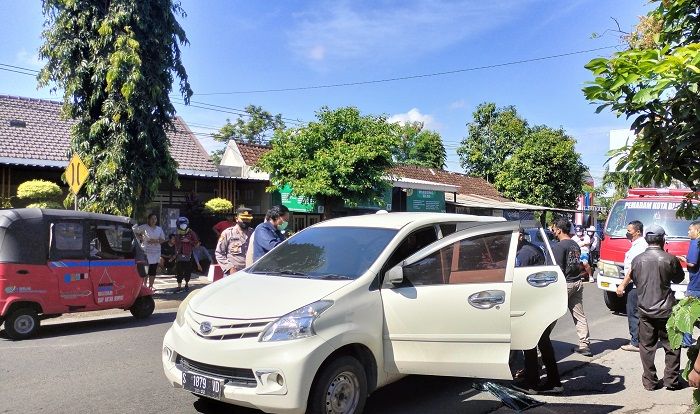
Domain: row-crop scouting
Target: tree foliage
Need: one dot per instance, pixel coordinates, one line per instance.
(418, 146)
(493, 136)
(218, 206)
(545, 170)
(341, 157)
(255, 127)
(116, 62)
(655, 82)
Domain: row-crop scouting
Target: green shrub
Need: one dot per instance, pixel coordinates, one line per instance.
(218, 206)
(39, 190)
(46, 204)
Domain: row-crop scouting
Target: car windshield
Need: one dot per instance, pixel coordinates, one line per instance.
(662, 213)
(331, 253)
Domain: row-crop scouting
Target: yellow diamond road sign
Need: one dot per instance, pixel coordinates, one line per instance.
(76, 174)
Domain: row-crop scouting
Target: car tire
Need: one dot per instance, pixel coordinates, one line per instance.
(614, 302)
(22, 324)
(143, 307)
(340, 387)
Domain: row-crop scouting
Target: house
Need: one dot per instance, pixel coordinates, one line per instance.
(34, 144)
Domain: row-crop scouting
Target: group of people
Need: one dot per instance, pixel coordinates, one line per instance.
(649, 272)
(182, 252)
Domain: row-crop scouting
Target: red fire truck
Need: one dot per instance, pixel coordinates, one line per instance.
(650, 206)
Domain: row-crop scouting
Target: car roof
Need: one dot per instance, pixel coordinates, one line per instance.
(399, 220)
(8, 216)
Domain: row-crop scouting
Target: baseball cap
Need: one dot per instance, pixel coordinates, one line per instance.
(656, 230)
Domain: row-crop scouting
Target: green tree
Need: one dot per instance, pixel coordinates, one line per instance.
(256, 126)
(116, 62)
(420, 147)
(40, 194)
(493, 136)
(655, 83)
(341, 157)
(545, 170)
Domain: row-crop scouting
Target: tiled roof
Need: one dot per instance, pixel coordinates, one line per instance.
(251, 153)
(466, 184)
(33, 133)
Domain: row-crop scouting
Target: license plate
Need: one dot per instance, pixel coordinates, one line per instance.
(604, 284)
(199, 384)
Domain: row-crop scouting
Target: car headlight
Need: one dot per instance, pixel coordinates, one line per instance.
(610, 270)
(180, 317)
(297, 324)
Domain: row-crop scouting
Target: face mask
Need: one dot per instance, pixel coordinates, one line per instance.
(242, 225)
(628, 235)
(183, 226)
(282, 226)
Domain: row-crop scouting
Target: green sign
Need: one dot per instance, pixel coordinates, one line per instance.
(425, 200)
(385, 205)
(297, 204)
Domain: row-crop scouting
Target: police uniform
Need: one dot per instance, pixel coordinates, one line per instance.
(232, 248)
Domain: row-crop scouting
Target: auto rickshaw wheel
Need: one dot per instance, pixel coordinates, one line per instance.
(143, 307)
(22, 323)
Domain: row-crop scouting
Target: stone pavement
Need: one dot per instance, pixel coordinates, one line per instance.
(165, 285)
(608, 383)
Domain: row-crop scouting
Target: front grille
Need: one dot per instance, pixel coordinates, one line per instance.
(239, 377)
(224, 329)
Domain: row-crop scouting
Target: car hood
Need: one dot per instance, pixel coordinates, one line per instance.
(255, 296)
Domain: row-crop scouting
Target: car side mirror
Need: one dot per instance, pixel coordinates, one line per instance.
(394, 275)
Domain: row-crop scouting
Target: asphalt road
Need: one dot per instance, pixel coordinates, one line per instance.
(112, 365)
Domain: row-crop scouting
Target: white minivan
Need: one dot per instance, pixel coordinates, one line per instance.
(351, 304)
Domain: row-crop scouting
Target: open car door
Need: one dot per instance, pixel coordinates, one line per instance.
(447, 307)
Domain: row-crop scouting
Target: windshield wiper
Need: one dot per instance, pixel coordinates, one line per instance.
(332, 276)
(285, 272)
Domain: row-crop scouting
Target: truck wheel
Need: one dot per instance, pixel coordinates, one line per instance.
(339, 388)
(22, 324)
(143, 307)
(614, 302)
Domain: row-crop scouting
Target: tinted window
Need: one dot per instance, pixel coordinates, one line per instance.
(411, 244)
(432, 270)
(113, 239)
(67, 241)
(326, 253)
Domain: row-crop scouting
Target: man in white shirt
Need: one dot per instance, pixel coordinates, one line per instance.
(635, 230)
(584, 243)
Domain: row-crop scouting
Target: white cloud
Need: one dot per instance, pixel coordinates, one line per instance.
(350, 30)
(25, 58)
(459, 104)
(413, 115)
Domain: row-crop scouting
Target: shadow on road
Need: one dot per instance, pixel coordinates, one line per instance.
(595, 380)
(574, 408)
(98, 325)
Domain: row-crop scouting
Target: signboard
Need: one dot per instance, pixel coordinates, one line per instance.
(425, 200)
(384, 205)
(76, 174)
(297, 204)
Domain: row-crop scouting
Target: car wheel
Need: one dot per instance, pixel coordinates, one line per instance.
(143, 307)
(614, 302)
(22, 323)
(339, 388)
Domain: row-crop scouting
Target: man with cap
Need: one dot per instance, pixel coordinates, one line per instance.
(233, 243)
(224, 224)
(652, 272)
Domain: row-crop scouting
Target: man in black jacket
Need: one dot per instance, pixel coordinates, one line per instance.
(653, 272)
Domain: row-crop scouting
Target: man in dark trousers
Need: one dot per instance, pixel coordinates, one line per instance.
(653, 271)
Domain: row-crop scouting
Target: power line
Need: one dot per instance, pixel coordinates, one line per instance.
(400, 78)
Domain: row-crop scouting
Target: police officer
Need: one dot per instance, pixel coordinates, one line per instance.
(233, 244)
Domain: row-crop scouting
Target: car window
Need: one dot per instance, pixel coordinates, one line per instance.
(326, 253)
(478, 259)
(67, 241)
(110, 241)
(411, 244)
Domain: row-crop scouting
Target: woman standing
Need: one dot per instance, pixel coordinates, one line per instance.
(151, 236)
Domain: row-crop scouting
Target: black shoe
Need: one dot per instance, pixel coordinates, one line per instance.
(177, 289)
(525, 386)
(549, 388)
(583, 350)
(654, 387)
(677, 386)
(187, 288)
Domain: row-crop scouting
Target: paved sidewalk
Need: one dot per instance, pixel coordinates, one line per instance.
(165, 285)
(609, 383)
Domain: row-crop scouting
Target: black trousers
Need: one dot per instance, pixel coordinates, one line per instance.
(184, 271)
(651, 331)
(532, 369)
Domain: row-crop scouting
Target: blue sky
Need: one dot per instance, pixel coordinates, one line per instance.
(240, 46)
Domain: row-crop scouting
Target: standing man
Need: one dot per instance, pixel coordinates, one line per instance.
(567, 254)
(233, 244)
(224, 224)
(653, 271)
(269, 234)
(691, 260)
(584, 243)
(594, 250)
(635, 230)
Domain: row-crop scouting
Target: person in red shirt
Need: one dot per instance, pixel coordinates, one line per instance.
(224, 224)
(184, 244)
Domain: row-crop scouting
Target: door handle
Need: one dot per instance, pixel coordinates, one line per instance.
(487, 299)
(542, 279)
(23, 272)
